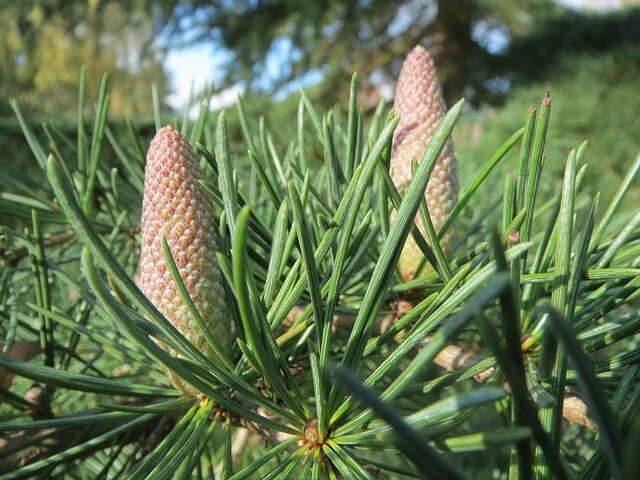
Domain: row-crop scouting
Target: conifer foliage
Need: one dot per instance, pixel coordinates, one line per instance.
(266, 330)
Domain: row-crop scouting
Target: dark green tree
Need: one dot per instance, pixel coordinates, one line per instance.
(45, 43)
(369, 37)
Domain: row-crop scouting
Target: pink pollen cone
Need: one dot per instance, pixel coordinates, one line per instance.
(177, 207)
(419, 104)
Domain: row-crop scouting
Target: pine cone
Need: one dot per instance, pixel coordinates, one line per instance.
(419, 104)
(176, 206)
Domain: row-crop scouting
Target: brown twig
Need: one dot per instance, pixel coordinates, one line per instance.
(12, 256)
(20, 350)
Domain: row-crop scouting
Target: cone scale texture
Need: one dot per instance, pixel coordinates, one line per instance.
(419, 104)
(176, 206)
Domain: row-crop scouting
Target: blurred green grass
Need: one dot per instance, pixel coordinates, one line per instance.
(594, 98)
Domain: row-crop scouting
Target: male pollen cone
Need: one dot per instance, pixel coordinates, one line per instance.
(419, 104)
(176, 206)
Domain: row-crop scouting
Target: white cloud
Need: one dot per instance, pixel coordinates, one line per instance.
(225, 98)
(594, 4)
(190, 68)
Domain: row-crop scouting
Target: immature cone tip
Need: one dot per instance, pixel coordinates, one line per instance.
(419, 104)
(176, 206)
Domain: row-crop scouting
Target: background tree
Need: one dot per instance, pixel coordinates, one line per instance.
(478, 44)
(369, 37)
(46, 43)
(482, 47)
